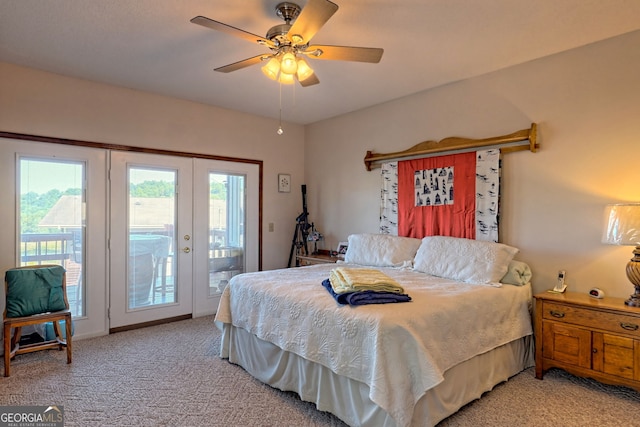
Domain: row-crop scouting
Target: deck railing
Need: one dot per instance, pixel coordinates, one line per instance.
(43, 248)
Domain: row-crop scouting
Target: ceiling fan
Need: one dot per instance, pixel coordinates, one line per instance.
(289, 43)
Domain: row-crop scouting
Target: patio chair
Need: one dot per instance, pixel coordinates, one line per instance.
(34, 295)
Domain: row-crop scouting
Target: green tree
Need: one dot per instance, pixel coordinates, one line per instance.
(152, 189)
(218, 190)
(34, 206)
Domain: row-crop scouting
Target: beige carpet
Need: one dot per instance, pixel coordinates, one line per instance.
(170, 375)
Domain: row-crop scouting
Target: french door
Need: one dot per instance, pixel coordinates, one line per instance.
(226, 217)
(180, 229)
(150, 238)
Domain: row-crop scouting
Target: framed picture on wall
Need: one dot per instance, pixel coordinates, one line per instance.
(284, 183)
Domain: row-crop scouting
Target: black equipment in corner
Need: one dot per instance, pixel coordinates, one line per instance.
(301, 233)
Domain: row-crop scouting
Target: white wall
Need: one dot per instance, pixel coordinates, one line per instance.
(586, 102)
(35, 102)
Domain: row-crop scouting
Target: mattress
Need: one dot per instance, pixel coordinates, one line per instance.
(397, 351)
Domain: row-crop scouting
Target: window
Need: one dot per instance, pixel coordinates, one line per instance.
(52, 220)
(227, 202)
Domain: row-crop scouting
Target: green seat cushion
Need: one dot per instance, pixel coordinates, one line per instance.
(49, 333)
(34, 290)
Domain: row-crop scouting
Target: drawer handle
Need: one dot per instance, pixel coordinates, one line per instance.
(557, 314)
(629, 326)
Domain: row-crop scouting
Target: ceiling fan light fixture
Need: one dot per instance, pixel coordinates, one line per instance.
(288, 63)
(304, 70)
(289, 42)
(287, 79)
(271, 69)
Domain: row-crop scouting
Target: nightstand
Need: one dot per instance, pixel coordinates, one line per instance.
(322, 257)
(588, 337)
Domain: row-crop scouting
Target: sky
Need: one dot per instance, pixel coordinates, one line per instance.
(42, 176)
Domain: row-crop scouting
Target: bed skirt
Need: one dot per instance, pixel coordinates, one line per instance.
(349, 399)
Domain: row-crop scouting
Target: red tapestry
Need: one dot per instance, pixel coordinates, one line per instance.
(444, 211)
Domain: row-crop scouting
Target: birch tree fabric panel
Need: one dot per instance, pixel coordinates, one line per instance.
(389, 199)
(487, 194)
(454, 195)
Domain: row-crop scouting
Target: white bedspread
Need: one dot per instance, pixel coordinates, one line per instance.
(399, 350)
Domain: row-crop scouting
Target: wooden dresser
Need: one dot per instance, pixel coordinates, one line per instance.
(588, 337)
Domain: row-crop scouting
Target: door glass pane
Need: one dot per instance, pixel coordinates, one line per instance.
(152, 218)
(226, 229)
(52, 221)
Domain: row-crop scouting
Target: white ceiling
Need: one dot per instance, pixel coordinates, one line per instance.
(150, 45)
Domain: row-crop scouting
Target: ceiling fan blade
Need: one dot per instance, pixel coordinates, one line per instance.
(313, 16)
(242, 64)
(233, 31)
(310, 81)
(345, 53)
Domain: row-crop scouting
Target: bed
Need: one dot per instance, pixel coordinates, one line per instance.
(466, 329)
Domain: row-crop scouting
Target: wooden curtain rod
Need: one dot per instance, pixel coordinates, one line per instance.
(526, 137)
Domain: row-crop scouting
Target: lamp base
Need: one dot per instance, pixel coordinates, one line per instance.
(634, 299)
(633, 274)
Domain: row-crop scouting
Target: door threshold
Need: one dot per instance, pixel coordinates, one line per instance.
(151, 323)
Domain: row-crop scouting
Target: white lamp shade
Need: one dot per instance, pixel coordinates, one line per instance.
(622, 224)
(304, 70)
(271, 68)
(288, 63)
(287, 79)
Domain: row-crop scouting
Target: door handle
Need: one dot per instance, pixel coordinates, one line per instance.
(186, 249)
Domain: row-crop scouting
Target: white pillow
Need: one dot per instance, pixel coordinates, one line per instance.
(465, 260)
(518, 273)
(381, 250)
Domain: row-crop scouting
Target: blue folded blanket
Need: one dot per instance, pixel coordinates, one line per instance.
(365, 297)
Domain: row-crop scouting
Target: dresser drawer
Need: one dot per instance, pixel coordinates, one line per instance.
(602, 320)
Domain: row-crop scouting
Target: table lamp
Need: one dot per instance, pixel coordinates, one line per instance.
(315, 236)
(622, 227)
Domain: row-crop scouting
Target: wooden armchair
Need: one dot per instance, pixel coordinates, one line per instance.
(34, 295)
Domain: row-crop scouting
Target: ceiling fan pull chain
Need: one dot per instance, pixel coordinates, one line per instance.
(294, 95)
(280, 130)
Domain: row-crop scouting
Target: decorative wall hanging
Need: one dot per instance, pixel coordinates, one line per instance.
(454, 195)
(446, 187)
